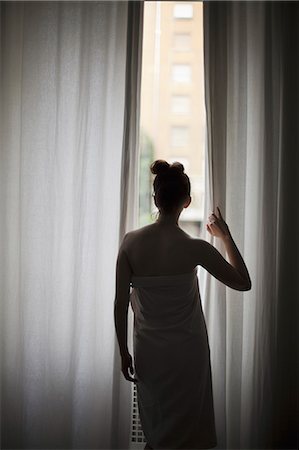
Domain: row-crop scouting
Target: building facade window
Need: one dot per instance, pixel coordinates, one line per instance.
(183, 11)
(179, 136)
(182, 42)
(181, 73)
(180, 104)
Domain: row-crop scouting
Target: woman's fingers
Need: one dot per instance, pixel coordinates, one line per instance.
(133, 380)
(216, 224)
(213, 218)
(219, 214)
(209, 228)
(128, 368)
(128, 377)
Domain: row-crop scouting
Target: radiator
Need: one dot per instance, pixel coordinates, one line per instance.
(137, 439)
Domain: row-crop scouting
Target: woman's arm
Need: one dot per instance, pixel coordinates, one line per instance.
(233, 274)
(121, 304)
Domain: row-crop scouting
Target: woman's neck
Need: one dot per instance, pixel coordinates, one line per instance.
(168, 219)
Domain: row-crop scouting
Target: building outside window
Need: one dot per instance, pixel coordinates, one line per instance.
(180, 104)
(181, 73)
(179, 136)
(182, 42)
(183, 11)
(172, 122)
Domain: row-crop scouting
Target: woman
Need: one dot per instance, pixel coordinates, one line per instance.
(171, 348)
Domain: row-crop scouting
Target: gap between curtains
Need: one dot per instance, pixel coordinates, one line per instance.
(68, 133)
(251, 73)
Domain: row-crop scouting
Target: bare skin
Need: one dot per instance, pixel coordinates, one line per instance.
(163, 248)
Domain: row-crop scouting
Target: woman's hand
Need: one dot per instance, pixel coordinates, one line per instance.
(126, 365)
(217, 226)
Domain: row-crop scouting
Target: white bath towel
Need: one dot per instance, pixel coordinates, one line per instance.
(172, 362)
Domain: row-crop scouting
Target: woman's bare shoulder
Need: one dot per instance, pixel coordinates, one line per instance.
(131, 236)
(152, 232)
(147, 229)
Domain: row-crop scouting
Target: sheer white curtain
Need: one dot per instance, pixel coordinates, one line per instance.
(251, 72)
(122, 390)
(64, 72)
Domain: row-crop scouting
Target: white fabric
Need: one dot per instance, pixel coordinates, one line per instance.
(251, 77)
(122, 390)
(172, 362)
(63, 81)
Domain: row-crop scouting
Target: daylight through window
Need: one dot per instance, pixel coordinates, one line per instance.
(172, 102)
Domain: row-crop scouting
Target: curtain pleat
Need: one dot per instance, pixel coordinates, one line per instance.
(251, 73)
(129, 195)
(64, 206)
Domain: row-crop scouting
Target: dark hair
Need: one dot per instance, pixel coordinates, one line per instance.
(171, 184)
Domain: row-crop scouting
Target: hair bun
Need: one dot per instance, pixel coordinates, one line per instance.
(159, 166)
(178, 167)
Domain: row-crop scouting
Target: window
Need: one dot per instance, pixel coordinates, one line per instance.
(181, 73)
(179, 136)
(183, 11)
(180, 104)
(182, 42)
(172, 116)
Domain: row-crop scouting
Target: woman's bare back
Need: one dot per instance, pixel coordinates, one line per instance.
(165, 249)
(157, 249)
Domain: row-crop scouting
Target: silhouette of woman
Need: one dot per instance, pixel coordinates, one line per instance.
(171, 348)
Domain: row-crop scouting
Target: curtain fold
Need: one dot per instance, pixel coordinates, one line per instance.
(251, 73)
(129, 194)
(63, 208)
